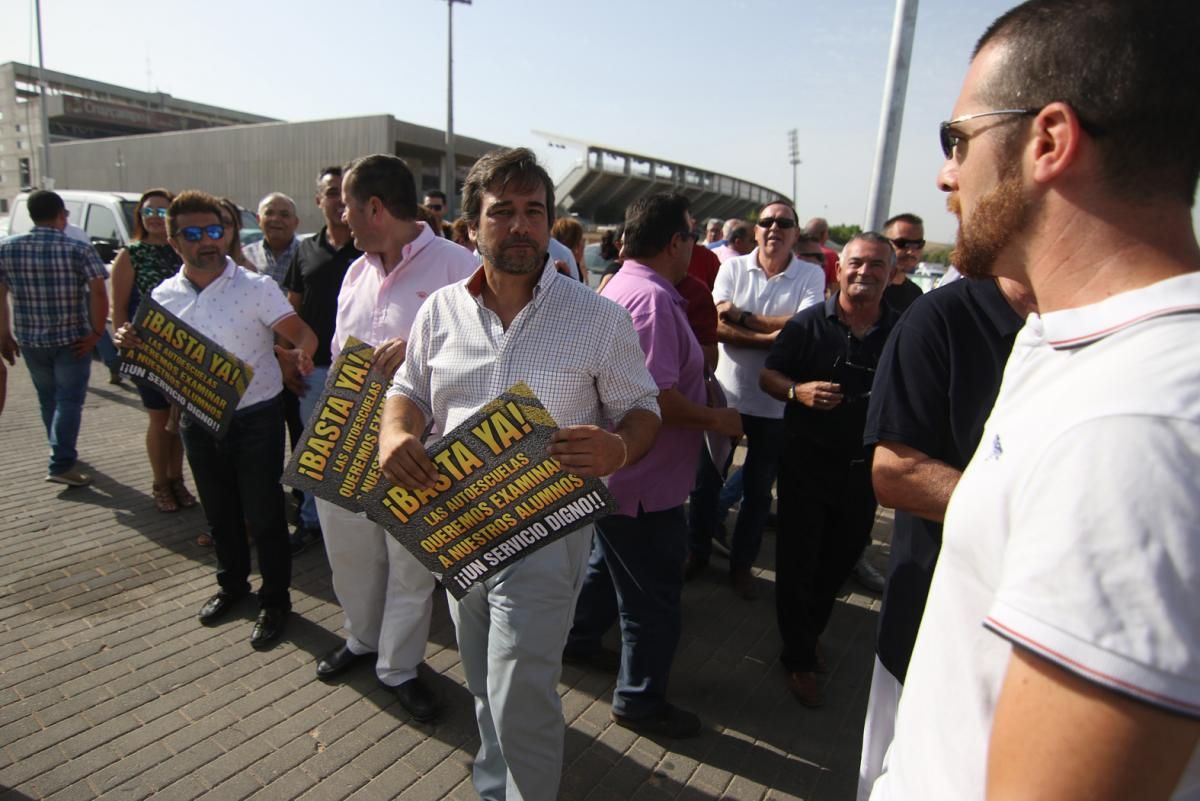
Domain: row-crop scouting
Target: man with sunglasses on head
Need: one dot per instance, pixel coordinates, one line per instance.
(822, 366)
(906, 232)
(756, 295)
(1059, 651)
(633, 573)
(238, 476)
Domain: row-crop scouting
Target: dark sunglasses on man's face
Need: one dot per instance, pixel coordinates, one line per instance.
(784, 223)
(194, 233)
(151, 211)
(902, 243)
(434, 206)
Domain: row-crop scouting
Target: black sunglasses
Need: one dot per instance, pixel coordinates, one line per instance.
(901, 243)
(194, 233)
(950, 138)
(784, 223)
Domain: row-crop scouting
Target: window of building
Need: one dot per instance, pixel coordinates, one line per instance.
(25, 173)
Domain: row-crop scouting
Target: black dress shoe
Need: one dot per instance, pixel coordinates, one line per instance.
(338, 661)
(269, 626)
(218, 607)
(417, 700)
(670, 721)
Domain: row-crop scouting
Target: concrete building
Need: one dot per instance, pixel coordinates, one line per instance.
(245, 162)
(604, 181)
(80, 108)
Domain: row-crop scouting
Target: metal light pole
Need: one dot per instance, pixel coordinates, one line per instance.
(449, 183)
(879, 200)
(46, 181)
(794, 158)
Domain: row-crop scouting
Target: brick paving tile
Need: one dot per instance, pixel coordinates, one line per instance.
(109, 686)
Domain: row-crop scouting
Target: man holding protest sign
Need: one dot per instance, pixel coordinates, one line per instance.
(511, 323)
(385, 592)
(635, 571)
(237, 475)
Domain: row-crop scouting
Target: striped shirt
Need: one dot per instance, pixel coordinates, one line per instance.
(266, 262)
(576, 350)
(47, 273)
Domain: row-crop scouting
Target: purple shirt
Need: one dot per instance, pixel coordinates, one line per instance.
(664, 476)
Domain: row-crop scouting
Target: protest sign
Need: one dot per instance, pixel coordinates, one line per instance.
(499, 495)
(192, 371)
(336, 456)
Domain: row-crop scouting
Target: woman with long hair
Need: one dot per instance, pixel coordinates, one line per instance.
(136, 271)
(231, 217)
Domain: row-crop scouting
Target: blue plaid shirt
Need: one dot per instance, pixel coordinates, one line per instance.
(47, 274)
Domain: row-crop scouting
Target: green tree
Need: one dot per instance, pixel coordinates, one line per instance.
(843, 233)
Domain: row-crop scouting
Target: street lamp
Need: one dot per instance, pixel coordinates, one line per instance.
(794, 159)
(449, 183)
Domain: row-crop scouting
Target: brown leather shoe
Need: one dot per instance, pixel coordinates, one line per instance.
(804, 685)
(742, 581)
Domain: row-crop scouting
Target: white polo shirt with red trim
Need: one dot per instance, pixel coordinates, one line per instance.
(1074, 532)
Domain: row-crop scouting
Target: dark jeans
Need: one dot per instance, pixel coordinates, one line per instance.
(61, 379)
(826, 511)
(238, 482)
(764, 439)
(635, 574)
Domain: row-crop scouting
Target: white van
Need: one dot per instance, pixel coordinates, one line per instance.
(107, 217)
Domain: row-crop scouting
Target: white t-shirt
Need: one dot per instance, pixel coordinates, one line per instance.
(238, 311)
(742, 282)
(1074, 532)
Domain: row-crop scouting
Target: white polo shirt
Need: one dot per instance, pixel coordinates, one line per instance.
(1074, 533)
(742, 282)
(238, 311)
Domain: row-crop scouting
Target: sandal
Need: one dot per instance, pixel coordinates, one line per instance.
(204, 541)
(184, 498)
(164, 500)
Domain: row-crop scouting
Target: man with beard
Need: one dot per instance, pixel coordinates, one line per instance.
(470, 342)
(386, 593)
(906, 232)
(1071, 535)
(822, 365)
(935, 386)
(313, 281)
(756, 295)
(238, 476)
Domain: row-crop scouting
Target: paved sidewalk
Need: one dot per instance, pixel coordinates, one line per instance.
(109, 687)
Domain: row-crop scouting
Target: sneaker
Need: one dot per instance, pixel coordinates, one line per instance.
(670, 721)
(72, 478)
(866, 575)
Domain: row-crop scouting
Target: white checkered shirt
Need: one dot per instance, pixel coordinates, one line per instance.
(576, 350)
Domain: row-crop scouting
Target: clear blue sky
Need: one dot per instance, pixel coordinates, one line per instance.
(714, 85)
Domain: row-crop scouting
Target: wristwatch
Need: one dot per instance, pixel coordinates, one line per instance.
(792, 392)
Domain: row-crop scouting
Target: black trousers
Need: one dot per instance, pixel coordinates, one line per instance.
(826, 511)
(238, 481)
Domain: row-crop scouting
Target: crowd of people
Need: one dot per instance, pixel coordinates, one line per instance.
(1033, 423)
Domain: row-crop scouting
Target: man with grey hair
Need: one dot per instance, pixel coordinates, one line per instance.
(713, 237)
(272, 255)
(739, 240)
(822, 364)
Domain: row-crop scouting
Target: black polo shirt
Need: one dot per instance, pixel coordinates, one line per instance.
(316, 274)
(934, 389)
(901, 296)
(816, 346)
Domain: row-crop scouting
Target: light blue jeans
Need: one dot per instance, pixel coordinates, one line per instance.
(511, 633)
(308, 402)
(61, 380)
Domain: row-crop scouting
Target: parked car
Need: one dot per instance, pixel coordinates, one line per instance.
(106, 217)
